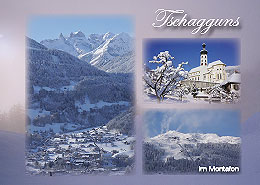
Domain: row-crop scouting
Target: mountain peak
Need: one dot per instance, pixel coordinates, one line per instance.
(32, 44)
(77, 34)
(61, 36)
(108, 35)
(124, 35)
(187, 138)
(106, 51)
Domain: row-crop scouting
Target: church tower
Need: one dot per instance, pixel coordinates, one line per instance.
(203, 56)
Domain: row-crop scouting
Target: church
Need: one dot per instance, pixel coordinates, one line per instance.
(213, 72)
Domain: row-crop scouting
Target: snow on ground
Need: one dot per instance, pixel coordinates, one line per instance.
(69, 87)
(33, 113)
(55, 156)
(87, 105)
(85, 143)
(173, 99)
(38, 88)
(117, 145)
(63, 88)
(56, 127)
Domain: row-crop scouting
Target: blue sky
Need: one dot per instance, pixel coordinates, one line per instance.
(50, 27)
(226, 50)
(220, 122)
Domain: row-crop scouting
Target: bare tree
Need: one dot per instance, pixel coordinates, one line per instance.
(165, 78)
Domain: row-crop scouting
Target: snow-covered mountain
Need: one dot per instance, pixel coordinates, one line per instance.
(65, 91)
(109, 52)
(55, 68)
(173, 142)
(67, 96)
(232, 69)
(122, 64)
(175, 152)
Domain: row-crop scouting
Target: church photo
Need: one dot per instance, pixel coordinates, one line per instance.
(192, 70)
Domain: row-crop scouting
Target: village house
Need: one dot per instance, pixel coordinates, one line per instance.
(232, 83)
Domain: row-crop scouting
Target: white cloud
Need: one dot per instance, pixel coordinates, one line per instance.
(190, 120)
(1, 36)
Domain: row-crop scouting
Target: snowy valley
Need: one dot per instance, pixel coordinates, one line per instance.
(67, 95)
(91, 151)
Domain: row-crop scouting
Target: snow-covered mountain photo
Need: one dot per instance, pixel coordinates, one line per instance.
(80, 111)
(179, 145)
(109, 52)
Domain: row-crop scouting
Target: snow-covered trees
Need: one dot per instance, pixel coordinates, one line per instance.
(194, 91)
(68, 94)
(124, 122)
(181, 91)
(223, 95)
(165, 78)
(58, 81)
(205, 154)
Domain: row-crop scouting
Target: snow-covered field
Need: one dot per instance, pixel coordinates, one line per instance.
(55, 127)
(173, 99)
(87, 105)
(63, 88)
(33, 113)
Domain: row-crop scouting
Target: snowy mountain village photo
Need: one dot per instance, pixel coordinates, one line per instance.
(177, 71)
(80, 107)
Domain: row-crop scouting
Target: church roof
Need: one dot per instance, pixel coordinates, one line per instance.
(215, 63)
(234, 78)
(203, 52)
(196, 69)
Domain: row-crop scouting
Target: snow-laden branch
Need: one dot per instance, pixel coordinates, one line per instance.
(165, 77)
